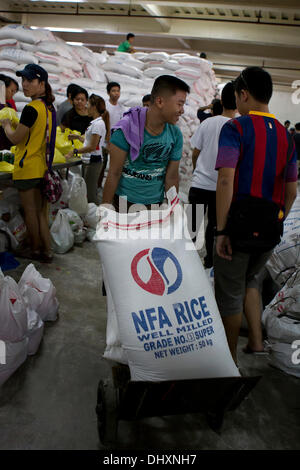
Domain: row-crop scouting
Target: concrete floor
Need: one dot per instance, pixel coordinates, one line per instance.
(49, 403)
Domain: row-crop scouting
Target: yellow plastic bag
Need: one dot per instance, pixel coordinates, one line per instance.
(13, 149)
(58, 157)
(9, 113)
(63, 144)
(6, 167)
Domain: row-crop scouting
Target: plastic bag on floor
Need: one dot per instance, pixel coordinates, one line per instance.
(78, 196)
(62, 203)
(91, 218)
(75, 220)
(167, 316)
(80, 236)
(35, 331)
(13, 316)
(39, 294)
(61, 233)
(12, 356)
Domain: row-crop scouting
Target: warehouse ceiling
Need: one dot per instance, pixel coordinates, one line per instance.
(234, 34)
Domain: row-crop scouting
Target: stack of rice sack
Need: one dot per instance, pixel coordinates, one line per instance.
(23, 309)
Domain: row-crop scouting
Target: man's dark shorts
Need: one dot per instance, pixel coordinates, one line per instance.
(233, 277)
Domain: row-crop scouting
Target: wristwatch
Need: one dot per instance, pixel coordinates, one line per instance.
(75, 152)
(220, 232)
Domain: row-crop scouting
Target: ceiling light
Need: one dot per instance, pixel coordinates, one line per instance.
(54, 28)
(74, 43)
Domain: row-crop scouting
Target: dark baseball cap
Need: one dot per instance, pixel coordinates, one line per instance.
(32, 71)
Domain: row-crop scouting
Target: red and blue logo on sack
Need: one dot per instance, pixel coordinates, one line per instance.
(165, 271)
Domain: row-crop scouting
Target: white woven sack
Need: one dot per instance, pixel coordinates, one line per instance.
(285, 258)
(18, 55)
(153, 72)
(8, 65)
(15, 355)
(91, 218)
(18, 32)
(168, 319)
(284, 357)
(39, 294)
(9, 43)
(13, 317)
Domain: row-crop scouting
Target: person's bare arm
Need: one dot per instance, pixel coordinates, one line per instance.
(195, 156)
(290, 196)
(172, 175)
(223, 202)
(15, 136)
(117, 160)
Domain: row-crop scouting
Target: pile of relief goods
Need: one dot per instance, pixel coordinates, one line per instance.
(71, 219)
(136, 73)
(167, 326)
(24, 307)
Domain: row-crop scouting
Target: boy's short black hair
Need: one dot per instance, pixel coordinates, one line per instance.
(203, 55)
(71, 88)
(110, 85)
(146, 98)
(297, 126)
(130, 35)
(169, 84)
(287, 122)
(78, 90)
(8, 80)
(228, 96)
(257, 81)
(217, 107)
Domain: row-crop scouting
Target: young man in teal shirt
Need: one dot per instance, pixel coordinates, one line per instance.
(126, 46)
(144, 176)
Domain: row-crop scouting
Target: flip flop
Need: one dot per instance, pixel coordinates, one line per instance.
(248, 350)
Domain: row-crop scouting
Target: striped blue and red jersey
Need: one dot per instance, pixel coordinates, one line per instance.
(259, 148)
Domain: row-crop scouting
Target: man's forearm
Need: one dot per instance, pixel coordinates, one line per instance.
(223, 201)
(110, 188)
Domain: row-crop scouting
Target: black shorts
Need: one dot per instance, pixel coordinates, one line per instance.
(24, 185)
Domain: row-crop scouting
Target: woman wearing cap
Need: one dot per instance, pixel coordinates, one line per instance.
(30, 158)
(95, 135)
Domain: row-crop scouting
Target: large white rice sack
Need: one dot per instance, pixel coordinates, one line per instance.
(286, 358)
(18, 55)
(20, 105)
(47, 58)
(186, 73)
(124, 80)
(122, 68)
(157, 55)
(140, 55)
(8, 65)
(53, 68)
(168, 320)
(195, 62)
(153, 72)
(285, 258)
(28, 47)
(19, 96)
(19, 32)
(15, 354)
(94, 73)
(171, 64)
(9, 43)
(101, 58)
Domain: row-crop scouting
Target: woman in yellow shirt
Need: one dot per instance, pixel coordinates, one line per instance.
(30, 158)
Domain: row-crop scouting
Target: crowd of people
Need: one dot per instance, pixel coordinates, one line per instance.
(245, 168)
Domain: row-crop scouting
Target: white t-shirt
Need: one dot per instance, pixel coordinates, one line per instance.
(97, 126)
(206, 139)
(116, 112)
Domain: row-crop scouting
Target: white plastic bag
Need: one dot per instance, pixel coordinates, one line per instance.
(13, 316)
(15, 355)
(78, 195)
(35, 331)
(61, 233)
(284, 357)
(74, 219)
(39, 294)
(91, 218)
(168, 319)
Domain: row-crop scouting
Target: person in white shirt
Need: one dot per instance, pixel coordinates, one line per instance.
(116, 112)
(94, 139)
(204, 181)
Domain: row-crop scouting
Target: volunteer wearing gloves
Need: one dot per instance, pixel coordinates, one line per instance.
(91, 151)
(30, 158)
